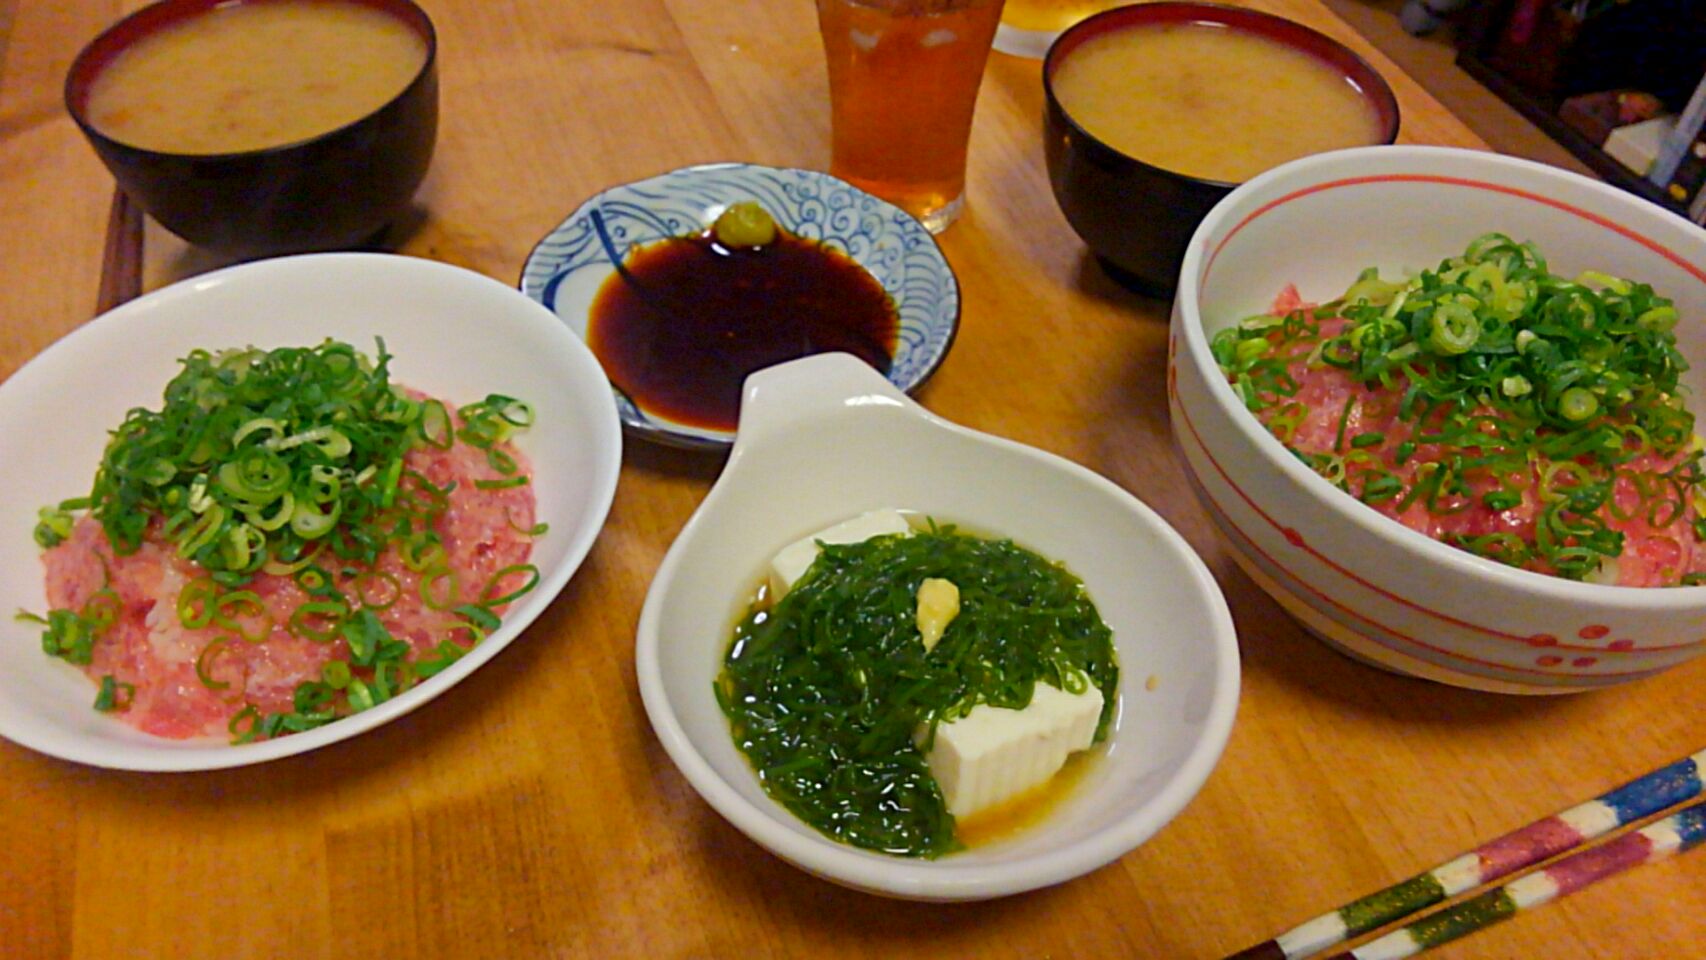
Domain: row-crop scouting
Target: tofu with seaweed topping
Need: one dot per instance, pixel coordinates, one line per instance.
(901, 678)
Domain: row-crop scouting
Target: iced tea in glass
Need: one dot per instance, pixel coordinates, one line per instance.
(903, 79)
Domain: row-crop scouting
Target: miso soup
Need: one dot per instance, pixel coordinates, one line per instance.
(1210, 101)
(254, 75)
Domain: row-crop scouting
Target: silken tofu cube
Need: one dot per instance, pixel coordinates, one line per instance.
(796, 558)
(993, 754)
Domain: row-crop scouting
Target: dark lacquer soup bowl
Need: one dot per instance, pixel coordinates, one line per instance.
(1135, 217)
(333, 190)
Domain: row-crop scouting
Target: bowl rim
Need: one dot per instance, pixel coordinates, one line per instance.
(662, 432)
(944, 879)
(1415, 546)
(1376, 91)
(174, 756)
(98, 55)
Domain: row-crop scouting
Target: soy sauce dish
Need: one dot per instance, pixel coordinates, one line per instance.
(817, 442)
(680, 296)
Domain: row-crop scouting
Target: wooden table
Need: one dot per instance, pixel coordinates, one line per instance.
(530, 813)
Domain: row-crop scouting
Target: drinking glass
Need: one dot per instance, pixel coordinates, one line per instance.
(903, 79)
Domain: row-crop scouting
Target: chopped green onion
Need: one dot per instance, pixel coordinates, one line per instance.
(439, 588)
(487, 597)
(102, 609)
(318, 620)
(480, 616)
(245, 726)
(314, 580)
(369, 641)
(1453, 329)
(1516, 386)
(54, 526)
(435, 427)
(360, 696)
(312, 697)
(537, 530)
(309, 521)
(113, 696)
(204, 665)
(391, 587)
(1577, 404)
(234, 610)
(448, 653)
(71, 634)
(1502, 499)
(336, 674)
(423, 553)
(1658, 319)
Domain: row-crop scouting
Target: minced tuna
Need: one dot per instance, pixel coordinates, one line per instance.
(1653, 554)
(148, 648)
(1489, 404)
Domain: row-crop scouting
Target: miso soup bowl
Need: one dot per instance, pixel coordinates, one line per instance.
(337, 190)
(1136, 218)
(825, 438)
(1364, 583)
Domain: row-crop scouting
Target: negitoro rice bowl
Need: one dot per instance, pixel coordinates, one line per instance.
(454, 335)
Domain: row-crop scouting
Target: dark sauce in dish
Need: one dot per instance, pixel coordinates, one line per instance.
(691, 318)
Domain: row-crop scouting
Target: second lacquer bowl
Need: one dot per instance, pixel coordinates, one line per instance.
(336, 190)
(825, 438)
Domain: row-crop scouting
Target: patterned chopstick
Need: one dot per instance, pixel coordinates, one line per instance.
(1526, 846)
(1656, 841)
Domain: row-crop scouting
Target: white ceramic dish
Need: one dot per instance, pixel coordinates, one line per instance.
(454, 333)
(824, 438)
(1369, 586)
(567, 268)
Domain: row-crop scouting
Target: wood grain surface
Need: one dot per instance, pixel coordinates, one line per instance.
(529, 812)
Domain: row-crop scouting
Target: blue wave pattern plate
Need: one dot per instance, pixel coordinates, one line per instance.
(566, 269)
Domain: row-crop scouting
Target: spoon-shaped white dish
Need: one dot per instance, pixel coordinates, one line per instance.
(825, 438)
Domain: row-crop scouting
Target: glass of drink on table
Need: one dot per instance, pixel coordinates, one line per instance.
(903, 79)
(1029, 26)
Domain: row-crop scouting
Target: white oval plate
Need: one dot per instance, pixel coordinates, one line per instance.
(454, 333)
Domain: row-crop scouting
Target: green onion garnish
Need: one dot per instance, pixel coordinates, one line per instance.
(113, 696)
(1502, 376)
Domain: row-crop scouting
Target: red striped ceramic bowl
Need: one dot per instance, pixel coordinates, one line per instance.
(1369, 586)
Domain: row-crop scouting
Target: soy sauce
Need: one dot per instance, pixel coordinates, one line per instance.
(679, 331)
